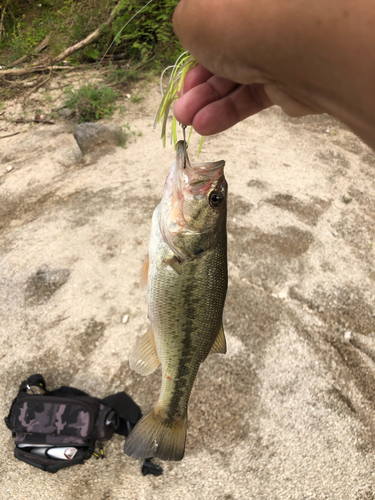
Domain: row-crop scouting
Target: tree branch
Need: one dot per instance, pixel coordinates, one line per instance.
(40, 69)
(2, 18)
(89, 39)
(39, 48)
(69, 51)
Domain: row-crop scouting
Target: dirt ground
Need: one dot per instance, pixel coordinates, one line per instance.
(288, 412)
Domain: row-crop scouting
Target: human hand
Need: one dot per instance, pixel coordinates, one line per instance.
(307, 57)
(213, 104)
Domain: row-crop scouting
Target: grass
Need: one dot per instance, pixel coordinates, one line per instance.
(90, 102)
(136, 98)
(346, 199)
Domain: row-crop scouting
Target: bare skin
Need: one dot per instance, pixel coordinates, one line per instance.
(305, 56)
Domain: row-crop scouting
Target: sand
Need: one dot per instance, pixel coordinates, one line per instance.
(288, 412)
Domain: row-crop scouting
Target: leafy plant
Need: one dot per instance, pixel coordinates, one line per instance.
(148, 34)
(24, 38)
(136, 98)
(92, 53)
(346, 199)
(91, 103)
(122, 75)
(148, 30)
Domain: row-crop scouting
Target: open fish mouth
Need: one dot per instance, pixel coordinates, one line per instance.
(195, 179)
(196, 172)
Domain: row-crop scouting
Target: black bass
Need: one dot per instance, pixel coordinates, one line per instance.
(187, 276)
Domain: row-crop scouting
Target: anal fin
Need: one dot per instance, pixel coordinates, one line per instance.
(144, 359)
(220, 344)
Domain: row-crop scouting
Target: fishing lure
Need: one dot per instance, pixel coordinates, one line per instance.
(183, 64)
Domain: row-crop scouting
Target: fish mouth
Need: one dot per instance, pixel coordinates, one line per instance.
(209, 169)
(194, 178)
(184, 181)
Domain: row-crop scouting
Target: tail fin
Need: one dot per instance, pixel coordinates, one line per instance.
(155, 436)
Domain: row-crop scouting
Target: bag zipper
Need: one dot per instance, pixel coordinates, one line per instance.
(49, 461)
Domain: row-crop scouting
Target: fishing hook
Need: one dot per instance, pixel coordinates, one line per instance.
(185, 145)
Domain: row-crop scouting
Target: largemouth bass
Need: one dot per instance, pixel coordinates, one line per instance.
(187, 277)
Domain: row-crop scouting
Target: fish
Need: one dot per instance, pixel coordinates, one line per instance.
(187, 279)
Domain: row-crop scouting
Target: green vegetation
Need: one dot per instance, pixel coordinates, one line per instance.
(136, 98)
(134, 38)
(122, 75)
(346, 199)
(91, 103)
(150, 33)
(148, 36)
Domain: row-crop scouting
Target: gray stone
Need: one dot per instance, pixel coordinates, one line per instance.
(8, 157)
(70, 156)
(67, 113)
(93, 135)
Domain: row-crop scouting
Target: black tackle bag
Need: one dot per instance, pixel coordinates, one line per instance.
(57, 429)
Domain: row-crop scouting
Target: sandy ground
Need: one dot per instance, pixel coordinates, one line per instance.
(288, 413)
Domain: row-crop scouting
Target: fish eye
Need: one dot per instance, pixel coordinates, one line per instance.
(216, 197)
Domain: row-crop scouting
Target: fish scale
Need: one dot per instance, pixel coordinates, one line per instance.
(187, 283)
(191, 303)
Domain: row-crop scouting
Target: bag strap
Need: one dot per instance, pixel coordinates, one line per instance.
(33, 380)
(128, 411)
(36, 380)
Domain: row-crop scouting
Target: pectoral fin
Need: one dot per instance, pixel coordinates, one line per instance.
(144, 272)
(220, 344)
(175, 264)
(144, 359)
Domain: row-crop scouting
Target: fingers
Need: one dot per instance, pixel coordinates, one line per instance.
(200, 96)
(220, 114)
(195, 77)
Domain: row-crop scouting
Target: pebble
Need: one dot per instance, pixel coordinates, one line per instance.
(347, 335)
(125, 318)
(9, 168)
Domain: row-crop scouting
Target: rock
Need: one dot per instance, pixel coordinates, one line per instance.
(66, 113)
(8, 157)
(9, 168)
(348, 335)
(93, 135)
(70, 156)
(125, 318)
